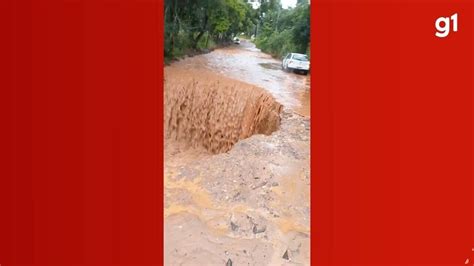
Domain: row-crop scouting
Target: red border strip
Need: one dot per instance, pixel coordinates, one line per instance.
(391, 133)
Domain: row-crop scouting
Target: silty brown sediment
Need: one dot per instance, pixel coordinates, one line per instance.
(215, 113)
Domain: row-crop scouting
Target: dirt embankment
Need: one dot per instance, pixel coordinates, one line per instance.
(216, 113)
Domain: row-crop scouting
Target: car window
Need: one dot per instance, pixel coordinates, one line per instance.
(300, 57)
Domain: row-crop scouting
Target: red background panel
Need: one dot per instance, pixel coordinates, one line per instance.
(392, 134)
(81, 138)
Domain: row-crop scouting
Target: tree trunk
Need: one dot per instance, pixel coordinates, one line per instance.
(196, 41)
(201, 33)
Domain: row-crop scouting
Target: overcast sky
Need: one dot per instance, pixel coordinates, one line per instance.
(288, 3)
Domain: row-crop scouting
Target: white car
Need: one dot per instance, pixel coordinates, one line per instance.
(295, 62)
(236, 40)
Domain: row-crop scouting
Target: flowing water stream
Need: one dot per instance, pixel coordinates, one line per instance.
(236, 161)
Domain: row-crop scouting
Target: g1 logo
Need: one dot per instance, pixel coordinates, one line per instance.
(443, 26)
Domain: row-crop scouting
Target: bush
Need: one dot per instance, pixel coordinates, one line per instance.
(278, 44)
(206, 42)
(285, 31)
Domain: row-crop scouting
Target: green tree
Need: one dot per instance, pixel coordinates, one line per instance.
(283, 30)
(188, 21)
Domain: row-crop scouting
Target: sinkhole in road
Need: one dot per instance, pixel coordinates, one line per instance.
(206, 109)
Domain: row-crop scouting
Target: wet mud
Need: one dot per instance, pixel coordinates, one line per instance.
(215, 113)
(248, 64)
(237, 168)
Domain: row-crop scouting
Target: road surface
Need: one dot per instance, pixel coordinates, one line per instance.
(247, 63)
(247, 205)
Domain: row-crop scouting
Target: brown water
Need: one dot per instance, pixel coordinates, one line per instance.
(246, 63)
(215, 112)
(236, 161)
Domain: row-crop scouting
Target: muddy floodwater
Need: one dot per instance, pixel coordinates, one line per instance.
(246, 63)
(237, 176)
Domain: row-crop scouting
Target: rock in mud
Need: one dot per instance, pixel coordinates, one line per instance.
(233, 226)
(257, 229)
(285, 255)
(259, 185)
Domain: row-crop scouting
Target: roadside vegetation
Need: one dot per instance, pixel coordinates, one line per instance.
(283, 30)
(194, 26)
